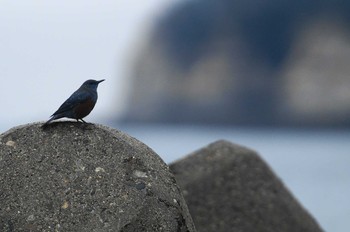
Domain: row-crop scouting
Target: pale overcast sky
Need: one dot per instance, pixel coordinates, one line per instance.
(49, 48)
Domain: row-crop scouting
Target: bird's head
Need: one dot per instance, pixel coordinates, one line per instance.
(91, 84)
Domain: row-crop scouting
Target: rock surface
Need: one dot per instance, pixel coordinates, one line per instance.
(230, 188)
(84, 177)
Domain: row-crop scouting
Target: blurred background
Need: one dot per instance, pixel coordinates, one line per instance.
(271, 75)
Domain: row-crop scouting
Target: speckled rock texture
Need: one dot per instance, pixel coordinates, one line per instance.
(84, 177)
(230, 188)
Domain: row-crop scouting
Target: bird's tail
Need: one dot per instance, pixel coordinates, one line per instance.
(48, 121)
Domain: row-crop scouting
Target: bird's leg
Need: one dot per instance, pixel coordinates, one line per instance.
(80, 120)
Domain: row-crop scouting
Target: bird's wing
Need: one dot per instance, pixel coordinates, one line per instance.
(78, 97)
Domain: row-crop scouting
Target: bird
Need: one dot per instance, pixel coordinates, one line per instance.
(79, 104)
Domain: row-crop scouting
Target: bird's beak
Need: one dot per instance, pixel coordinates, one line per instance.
(100, 81)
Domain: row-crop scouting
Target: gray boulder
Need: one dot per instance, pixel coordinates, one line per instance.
(84, 177)
(230, 188)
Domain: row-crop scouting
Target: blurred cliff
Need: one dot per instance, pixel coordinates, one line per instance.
(246, 62)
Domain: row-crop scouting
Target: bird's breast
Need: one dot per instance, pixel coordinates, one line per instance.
(84, 108)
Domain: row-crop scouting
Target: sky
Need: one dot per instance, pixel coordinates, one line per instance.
(49, 48)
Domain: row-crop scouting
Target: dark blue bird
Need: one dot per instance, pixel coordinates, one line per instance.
(79, 104)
